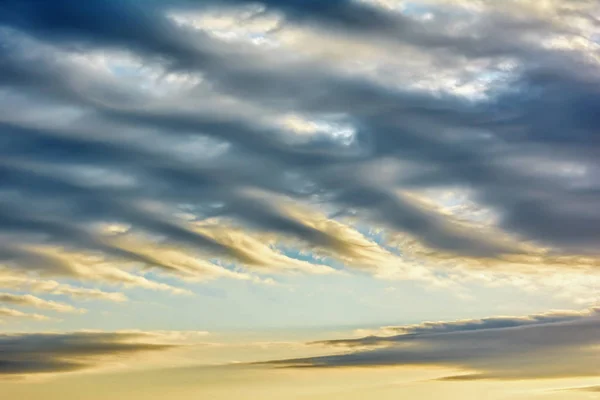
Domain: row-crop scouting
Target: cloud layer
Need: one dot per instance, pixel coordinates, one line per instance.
(37, 353)
(552, 345)
(203, 141)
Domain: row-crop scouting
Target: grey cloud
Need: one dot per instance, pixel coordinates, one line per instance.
(440, 327)
(23, 354)
(539, 346)
(546, 111)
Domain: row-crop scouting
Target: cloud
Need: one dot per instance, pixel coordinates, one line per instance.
(10, 313)
(36, 353)
(592, 389)
(40, 353)
(125, 135)
(551, 345)
(468, 325)
(15, 281)
(32, 301)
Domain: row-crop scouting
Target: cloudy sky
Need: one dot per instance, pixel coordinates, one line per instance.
(300, 199)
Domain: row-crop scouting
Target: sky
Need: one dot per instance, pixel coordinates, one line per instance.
(300, 199)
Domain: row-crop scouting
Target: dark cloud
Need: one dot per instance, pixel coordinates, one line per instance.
(94, 146)
(23, 354)
(106, 23)
(466, 326)
(540, 346)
